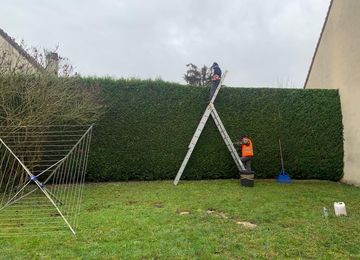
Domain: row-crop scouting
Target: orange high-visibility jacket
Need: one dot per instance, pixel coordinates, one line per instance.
(247, 149)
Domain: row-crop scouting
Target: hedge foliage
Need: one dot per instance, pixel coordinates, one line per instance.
(148, 125)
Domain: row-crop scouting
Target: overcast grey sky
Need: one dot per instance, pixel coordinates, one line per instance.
(260, 42)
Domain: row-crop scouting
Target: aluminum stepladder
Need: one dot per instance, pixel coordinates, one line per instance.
(210, 109)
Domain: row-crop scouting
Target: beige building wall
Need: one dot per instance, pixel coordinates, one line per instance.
(336, 65)
(12, 61)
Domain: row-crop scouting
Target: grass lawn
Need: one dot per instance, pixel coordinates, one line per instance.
(199, 219)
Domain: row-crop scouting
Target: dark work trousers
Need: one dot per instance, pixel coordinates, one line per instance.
(214, 85)
(246, 160)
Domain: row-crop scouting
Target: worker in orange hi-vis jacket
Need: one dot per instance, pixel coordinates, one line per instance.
(247, 152)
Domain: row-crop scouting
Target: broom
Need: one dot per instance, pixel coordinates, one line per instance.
(283, 176)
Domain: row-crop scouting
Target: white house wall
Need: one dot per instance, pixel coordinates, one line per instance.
(336, 65)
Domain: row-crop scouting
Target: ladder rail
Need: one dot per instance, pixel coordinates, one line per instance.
(193, 143)
(200, 127)
(227, 139)
(218, 88)
(206, 114)
(228, 145)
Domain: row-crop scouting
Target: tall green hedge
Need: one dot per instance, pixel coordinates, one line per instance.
(145, 133)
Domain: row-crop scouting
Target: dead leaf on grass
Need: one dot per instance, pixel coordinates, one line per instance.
(159, 205)
(224, 216)
(182, 212)
(217, 213)
(246, 224)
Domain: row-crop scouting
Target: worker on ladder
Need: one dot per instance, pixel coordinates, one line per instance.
(247, 152)
(215, 79)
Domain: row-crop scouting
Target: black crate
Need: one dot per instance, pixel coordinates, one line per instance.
(247, 180)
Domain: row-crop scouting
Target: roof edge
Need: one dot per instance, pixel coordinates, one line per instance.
(21, 51)
(318, 43)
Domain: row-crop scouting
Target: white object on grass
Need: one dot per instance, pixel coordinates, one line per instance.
(340, 209)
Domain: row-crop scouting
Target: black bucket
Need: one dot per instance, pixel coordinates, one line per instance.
(247, 180)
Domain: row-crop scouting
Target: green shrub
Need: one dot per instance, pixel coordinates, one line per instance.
(145, 133)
